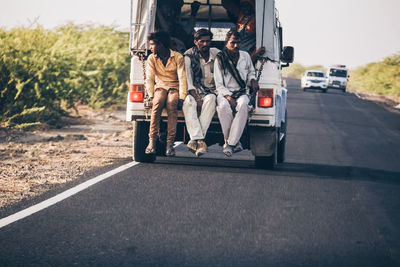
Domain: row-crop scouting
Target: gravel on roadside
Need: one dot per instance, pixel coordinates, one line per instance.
(32, 163)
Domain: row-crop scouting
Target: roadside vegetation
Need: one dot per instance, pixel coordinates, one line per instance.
(380, 78)
(43, 73)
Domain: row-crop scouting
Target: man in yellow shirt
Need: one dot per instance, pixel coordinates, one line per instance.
(166, 85)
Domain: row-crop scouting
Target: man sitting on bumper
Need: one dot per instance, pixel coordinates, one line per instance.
(199, 105)
(233, 74)
(166, 85)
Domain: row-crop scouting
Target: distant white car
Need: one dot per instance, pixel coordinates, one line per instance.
(314, 79)
(337, 77)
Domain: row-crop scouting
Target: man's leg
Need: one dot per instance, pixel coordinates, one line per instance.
(240, 120)
(172, 108)
(206, 115)
(160, 96)
(225, 115)
(207, 112)
(192, 121)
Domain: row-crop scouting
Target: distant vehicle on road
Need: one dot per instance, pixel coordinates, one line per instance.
(314, 79)
(337, 76)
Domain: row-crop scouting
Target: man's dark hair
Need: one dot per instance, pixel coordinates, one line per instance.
(160, 37)
(202, 32)
(231, 33)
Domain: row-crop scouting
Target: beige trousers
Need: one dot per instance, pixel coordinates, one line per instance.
(197, 125)
(233, 124)
(162, 98)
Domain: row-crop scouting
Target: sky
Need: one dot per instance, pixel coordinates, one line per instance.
(323, 32)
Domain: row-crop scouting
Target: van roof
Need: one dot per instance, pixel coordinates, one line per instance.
(339, 67)
(314, 71)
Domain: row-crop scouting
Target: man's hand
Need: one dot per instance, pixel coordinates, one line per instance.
(197, 98)
(254, 89)
(254, 86)
(194, 8)
(257, 53)
(199, 102)
(232, 102)
(149, 102)
(260, 51)
(180, 104)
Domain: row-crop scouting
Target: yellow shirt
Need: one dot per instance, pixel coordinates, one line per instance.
(172, 75)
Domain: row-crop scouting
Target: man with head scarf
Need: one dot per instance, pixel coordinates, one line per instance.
(245, 25)
(233, 74)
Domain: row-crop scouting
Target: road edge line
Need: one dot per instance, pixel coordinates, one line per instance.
(64, 195)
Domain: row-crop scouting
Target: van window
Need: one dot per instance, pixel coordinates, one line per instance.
(315, 74)
(209, 10)
(212, 16)
(338, 73)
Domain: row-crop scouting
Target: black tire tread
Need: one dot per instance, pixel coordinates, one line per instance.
(140, 140)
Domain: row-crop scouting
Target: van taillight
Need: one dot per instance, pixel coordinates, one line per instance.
(136, 93)
(265, 98)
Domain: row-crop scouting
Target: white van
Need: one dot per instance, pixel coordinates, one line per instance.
(337, 76)
(265, 133)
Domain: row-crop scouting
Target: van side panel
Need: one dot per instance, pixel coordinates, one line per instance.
(266, 27)
(142, 23)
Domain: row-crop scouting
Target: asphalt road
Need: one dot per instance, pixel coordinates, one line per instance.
(335, 202)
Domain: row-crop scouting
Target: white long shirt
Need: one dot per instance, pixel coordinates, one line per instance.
(225, 83)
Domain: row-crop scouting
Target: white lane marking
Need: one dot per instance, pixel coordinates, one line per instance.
(66, 194)
(176, 144)
(357, 95)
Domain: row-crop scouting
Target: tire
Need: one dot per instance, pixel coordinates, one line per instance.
(161, 147)
(140, 140)
(344, 90)
(282, 143)
(324, 90)
(269, 162)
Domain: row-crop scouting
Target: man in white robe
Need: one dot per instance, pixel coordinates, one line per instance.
(233, 74)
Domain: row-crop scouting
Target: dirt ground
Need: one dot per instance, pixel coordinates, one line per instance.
(32, 163)
(391, 104)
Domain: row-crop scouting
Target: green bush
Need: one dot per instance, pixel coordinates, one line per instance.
(54, 69)
(32, 74)
(382, 78)
(101, 62)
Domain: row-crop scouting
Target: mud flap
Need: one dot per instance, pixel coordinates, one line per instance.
(262, 141)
